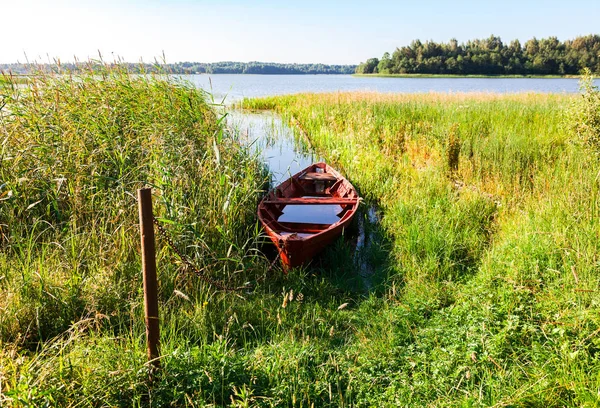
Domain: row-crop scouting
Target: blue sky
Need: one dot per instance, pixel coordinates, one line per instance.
(334, 32)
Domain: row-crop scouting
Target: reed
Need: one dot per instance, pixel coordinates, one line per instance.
(488, 298)
(484, 272)
(74, 150)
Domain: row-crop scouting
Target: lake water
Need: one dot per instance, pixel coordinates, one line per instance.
(275, 142)
(235, 87)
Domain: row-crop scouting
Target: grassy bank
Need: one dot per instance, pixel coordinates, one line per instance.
(462, 76)
(74, 151)
(483, 291)
(490, 206)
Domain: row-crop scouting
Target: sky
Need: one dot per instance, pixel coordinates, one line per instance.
(309, 31)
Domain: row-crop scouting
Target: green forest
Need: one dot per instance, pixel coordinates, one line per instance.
(226, 67)
(260, 68)
(490, 56)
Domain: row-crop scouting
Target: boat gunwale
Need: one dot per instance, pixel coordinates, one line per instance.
(268, 224)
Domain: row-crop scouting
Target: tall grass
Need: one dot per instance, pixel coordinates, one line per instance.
(492, 212)
(75, 149)
(485, 291)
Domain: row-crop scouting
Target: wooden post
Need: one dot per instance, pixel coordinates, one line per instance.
(149, 272)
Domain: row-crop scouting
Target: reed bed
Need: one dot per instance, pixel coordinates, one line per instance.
(74, 150)
(490, 206)
(484, 273)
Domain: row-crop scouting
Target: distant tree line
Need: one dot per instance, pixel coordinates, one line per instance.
(546, 56)
(261, 68)
(227, 67)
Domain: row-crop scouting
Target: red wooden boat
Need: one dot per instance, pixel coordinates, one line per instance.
(307, 211)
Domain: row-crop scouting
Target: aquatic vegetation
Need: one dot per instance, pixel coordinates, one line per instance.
(491, 211)
(484, 280)
(74, 149)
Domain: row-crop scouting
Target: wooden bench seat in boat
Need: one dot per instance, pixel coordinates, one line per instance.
(312, 201)
(313, 176)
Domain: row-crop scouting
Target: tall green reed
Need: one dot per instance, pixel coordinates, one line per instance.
(489, 299)
(75, 149)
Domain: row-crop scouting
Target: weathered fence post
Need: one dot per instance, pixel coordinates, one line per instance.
(149, 272)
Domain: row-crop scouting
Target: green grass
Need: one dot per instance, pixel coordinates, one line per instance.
(491, 297)
(74, 151)
(484, 272)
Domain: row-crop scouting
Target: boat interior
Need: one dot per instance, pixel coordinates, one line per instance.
(309, 202)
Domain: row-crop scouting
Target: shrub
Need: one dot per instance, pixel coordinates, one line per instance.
(585, 112)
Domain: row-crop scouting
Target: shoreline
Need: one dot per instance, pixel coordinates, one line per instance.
(467, 76)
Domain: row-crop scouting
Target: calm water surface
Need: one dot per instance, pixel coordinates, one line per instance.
(274, 141)
(282, 153)
(235, 87)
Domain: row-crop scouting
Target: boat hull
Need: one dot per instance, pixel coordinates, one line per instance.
(317, 185)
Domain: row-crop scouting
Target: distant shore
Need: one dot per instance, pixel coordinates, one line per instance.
(464, 76)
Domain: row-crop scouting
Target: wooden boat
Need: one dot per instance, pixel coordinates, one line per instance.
(316, 193)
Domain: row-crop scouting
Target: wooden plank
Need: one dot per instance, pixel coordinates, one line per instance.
(318, 176)
(304, 227)
(312, 201)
